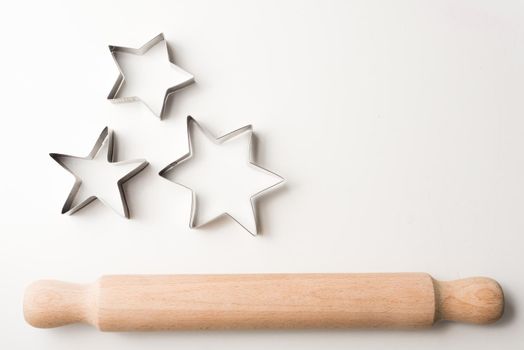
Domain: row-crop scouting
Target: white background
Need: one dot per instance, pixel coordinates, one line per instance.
(398, 126)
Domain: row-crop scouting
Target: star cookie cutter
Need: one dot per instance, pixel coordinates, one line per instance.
(120, 81)
(191, 122)
(106, 135)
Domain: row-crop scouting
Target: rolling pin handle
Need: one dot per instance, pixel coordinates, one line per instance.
(49, 303)
(472, 300)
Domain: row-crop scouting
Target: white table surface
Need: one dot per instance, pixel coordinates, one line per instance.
(397, 125)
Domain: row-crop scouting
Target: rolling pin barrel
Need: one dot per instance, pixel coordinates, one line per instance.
(128, 303)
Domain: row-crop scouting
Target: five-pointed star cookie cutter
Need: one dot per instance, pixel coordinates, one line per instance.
(106, 134)
(113, 94)
(191, 122)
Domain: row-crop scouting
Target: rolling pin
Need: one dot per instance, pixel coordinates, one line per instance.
(187, 302)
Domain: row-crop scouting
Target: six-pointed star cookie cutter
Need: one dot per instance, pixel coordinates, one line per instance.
(191, 122)
(106, 134)
(113, 94)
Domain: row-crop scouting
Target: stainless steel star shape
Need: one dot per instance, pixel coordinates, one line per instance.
(114, 94)
(192, 125)
(101, 157)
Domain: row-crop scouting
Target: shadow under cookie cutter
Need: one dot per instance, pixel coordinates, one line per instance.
(113, 94)
(106, 134)
(191, 122)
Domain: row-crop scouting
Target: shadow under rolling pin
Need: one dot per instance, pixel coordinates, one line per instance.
(274, 301)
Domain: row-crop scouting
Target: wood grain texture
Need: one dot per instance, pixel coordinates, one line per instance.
(176, 302)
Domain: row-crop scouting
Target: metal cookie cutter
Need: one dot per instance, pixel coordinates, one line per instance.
(114, 93)
(191, 122)
(105, 136)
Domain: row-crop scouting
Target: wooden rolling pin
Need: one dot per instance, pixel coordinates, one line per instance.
(174, 302)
